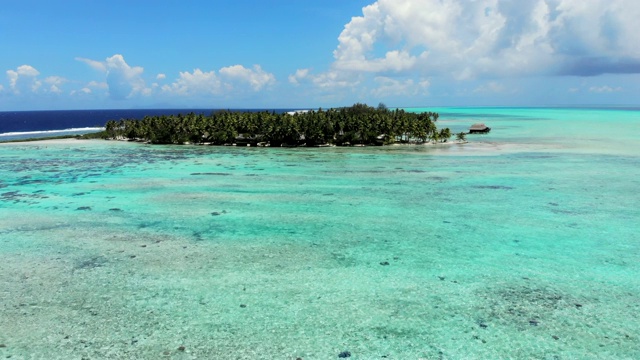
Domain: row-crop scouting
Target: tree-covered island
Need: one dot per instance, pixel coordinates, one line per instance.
(356, 125)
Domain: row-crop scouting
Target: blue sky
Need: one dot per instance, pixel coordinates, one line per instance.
(79, 54)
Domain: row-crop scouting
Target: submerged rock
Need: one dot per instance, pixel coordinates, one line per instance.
(94, 262)
(493, 187)
(344, 354)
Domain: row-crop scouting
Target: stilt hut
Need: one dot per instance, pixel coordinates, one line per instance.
(479, 128)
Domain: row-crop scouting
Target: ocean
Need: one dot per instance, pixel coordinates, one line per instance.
(522, 244)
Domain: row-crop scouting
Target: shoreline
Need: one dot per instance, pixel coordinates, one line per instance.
(48, 138)
(71, 138)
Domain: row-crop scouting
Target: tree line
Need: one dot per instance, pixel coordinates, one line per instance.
(358, 124)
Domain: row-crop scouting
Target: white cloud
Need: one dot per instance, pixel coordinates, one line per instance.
(82, 92)
(98, 85)
(482, 43)
(604, 89)
(394, 87)
(492, 38)
(123, 81)
(232, 79)
(300, 74)
(97, 65)
(256, 78)
(55, 82)
(24, 79)
(329, 80)
(27, 70)
(196, 83)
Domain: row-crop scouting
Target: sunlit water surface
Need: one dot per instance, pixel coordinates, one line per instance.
(521, 244)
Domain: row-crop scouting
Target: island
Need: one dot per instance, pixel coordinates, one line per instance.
(357, 125)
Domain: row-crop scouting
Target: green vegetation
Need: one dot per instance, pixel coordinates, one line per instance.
(95, 135)
(358, 124)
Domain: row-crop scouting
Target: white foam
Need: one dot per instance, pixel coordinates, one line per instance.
(297, 112)
(87, 129)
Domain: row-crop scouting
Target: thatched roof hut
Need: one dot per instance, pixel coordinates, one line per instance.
(479, 128)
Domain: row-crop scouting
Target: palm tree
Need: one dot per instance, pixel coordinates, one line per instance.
(356, 124)
(111, 129)
(445, 134)
(435, 137)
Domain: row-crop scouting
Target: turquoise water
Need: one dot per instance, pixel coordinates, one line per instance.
(522, 243)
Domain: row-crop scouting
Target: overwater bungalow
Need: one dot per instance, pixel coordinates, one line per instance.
(479, 128)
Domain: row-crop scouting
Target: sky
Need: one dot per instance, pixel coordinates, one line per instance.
(124, 54)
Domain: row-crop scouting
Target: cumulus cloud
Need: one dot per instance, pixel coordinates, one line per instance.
(395, 87)
(55, 82)
(229, 79)
(96, 65)
(98, 85)
(329, 80)
(91, 88)
(256, 78)
(24, 79)
(197, 82)
(492, 38)
(27, 70)
(82, 91)
(123, 81)
(300, 74)
(604, 89)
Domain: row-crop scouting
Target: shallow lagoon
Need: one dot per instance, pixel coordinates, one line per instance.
(522, 243)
